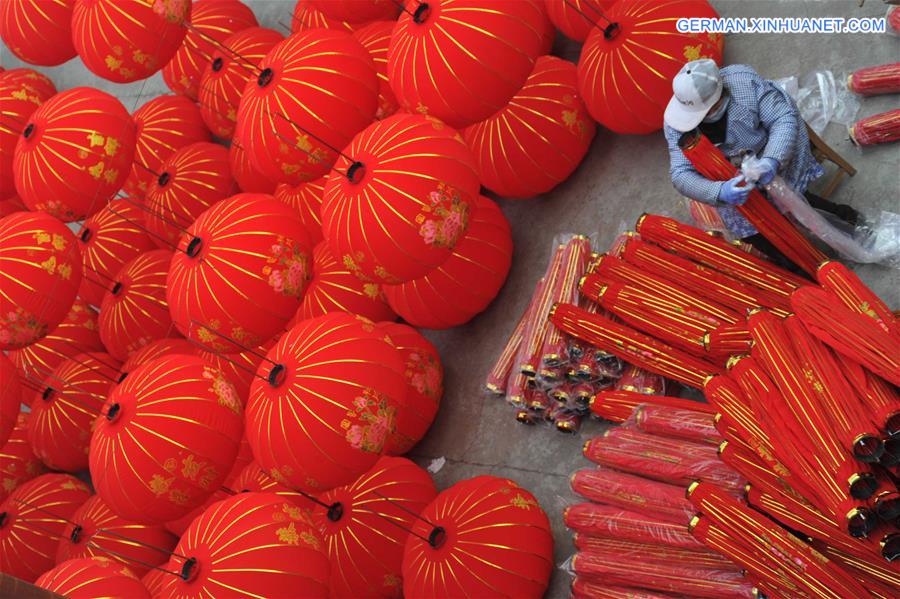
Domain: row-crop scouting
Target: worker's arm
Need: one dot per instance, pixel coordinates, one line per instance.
(685, 177)
(780, 118)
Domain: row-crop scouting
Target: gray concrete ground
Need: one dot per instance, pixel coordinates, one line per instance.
(621, 177)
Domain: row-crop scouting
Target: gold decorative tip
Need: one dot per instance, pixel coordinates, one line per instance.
(691, 488)
(722, 447)
(584, 446)
(707, 379)
(694, 522)
(822, 265)
(579, 236)
(717, 418)
(640, 221)
(753, 311)
(581, 281)
(493, 388)
(566, 426)
(553, 309)
(706, 340)
(747, 489)
(733, 360)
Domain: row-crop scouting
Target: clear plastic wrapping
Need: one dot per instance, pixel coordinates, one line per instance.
(689, 425)
(612, 522)
(616, 405)
(638, 380)
(654, 553)
(589, 588)
(822, 99)
(637, 494)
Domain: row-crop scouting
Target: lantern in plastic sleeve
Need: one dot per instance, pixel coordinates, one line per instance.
(874, 80)
(876, 129)
(576, 18)
(18, 464)
(21, 92)
(38, 31)
(376, 37)
(90, 577)
(12, 393)
(306, 199)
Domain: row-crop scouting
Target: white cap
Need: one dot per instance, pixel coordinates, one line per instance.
(697, 86)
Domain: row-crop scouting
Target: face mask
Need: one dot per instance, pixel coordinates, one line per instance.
(712, 117)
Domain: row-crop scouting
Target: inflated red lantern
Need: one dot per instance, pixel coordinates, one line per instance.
(38, 31)
(154, 580)
(134, 310)
(10, 205)
(128, 40)
(629, 60)
(239, 368)
(239, 273)
(191, 180)
(424, 376)
(357, 11)
(248, 178)
(477, 59)
(12, 393)
(95, 530)
(401, 200)
(162, 125)
(165, 439)
(307, 16)
(482, 537)
(306, 199)
(108, 240)
(251, 544)
(64, 410)
(467, 282)
(21, 92)
(537, 140)
(90, 577)
(32, 519)
(335, 289)
(156, 349)
(18, 464)
(366, 524)
(254, 479)
(74, 153)
(327, 402)
(41, 268)
(210, 23)
(376, 37)
(314, 92)
(227, 72)
(576, 18)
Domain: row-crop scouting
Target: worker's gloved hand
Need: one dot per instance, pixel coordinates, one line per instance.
(768, 169)
(735, 191)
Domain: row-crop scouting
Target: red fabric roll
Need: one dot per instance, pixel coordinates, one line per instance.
(689, 425)
(609, 521)
(879, 79)
(634, 493)
(655, 552)
(617, 405)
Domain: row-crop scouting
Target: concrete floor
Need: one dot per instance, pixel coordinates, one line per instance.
(621, 177)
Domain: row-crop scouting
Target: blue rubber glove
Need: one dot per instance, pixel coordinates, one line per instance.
(770, 169)
(733, 192)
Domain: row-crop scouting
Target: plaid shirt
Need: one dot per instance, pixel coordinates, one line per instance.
(762, 119)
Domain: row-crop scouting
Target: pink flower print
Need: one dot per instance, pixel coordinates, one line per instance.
(428, 231)
(355, 436)
(12, 317)
(359, 403)
(451, 227)
(378, 432)
(432, 378)
(277, 249)
(418, 382)
(276, 281)
(295, 275)
(435, 197)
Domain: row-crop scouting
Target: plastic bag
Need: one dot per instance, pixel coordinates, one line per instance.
(680, 424)
(821, 100)
(653, 553)
(608, 521)
(634, 493)
(589, 588)
(616, 405)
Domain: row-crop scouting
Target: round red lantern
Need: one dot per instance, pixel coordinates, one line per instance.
(91, 577)
(191, 180)
(539, 138)
(306, 199)
(291, 140)
(251, 544)
(357, 11)
(128, 40)
(41, 265)
(467, 282)
(401, 200)
(134, 310)
(366, 525)
(476, 59)
(74, 153)
(38, 31)
(424, 376)
(108, 240)
(576, 18)
(239, 368)
(10, 205)
(335, 289)
(64, 411)
(11, 396)
(210, 23)
(226, 74)
(21, 92)
(328, 402)
(486, 537)
(94, 530)
(18, 464)
(248, 178)
(239, 273)
(162, 126)
(165, 439)
(156, 349)
(376, 37)
(628, 62)
(154, 580)
(32, 519)
(307, 16)
(253, 479)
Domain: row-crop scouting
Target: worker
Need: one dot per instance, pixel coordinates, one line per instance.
(741, 113)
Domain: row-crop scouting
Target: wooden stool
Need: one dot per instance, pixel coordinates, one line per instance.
(822, 152)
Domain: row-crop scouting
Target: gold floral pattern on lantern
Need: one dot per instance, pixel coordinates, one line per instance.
(369, 421)
(20, 327)
(288, 534)
(287, 268)
(443, 217)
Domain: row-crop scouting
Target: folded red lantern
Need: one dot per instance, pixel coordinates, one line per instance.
(876, 129)
(634, 493)
(498, 376)
(240, 367)
(306, 199)
(728, 339)
(32, 518)
(376, 37)
(18, 464)
(882, 400)
(163, 125)
(613, 522)
(12, 394)
(481, 537)
(21, 92)
(594, 588)
(655, 552)
(554, 343)
(41, 274)
(530, 354)
(253, 479)
(402, 199)
(128, 40)
(307, 15)
(576, 18)
(357, 11)
(85, 578)
(856, 295)
(871, 81)
(617, 405)
(691, 425)
(38, 32)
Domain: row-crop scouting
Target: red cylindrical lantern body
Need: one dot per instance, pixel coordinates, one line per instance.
(88, 577)
(18, 464)
(306, 199)
(376, 37)
(38, 31)
(21, 92)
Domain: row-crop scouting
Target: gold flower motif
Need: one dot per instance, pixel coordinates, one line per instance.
(159, 485)
(288, 534)
(309, 538)
(692, 52)
(520, 502)
(190, 467)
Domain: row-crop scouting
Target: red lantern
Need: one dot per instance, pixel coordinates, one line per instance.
(424, 386)
(21, 92)
(576, 18)
(18, 464)
(467, 282)
(38, 31)
(162, 125)
(376, 37)
(335, 289)
(166, 438)
(32, 519)
(63, 412)
(248, 178)
(12, 394)
(366, 526)
(239, 368)
(156, 349)
(10, 205)
(108, 240)
(95, 530)
(154, 580)
(477, 59)
(539, 138)
(307, 16)
(211, 22)
(487, 537)
(41, 269)
(226, 75)
(134, 310)
(306, 199)
(240, 271)
(128, 40)
(192, 179)
(251, 544)
(315, 91)
(629, 60)
(357, 11)
(402, 200)
(87, 578)
(74, 153)
(328, 402)
(253, 479)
